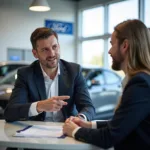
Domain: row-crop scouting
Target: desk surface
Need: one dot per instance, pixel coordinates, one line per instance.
(7, 140)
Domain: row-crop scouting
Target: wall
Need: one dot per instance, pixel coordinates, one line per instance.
(17, 23)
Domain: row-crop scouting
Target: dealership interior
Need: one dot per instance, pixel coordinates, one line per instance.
(84, 29)
(93, 22)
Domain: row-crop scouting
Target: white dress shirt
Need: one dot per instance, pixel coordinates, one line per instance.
(51, 87)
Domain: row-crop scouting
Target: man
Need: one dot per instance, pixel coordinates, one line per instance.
(129, 128)
(50, 89)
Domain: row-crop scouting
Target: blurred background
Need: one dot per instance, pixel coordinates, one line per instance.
(84, 28)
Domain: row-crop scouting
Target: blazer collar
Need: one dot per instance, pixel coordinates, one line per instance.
(39, 80)
(63, 81)
(44, 73)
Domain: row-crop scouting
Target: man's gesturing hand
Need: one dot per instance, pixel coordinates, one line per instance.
(52, 104)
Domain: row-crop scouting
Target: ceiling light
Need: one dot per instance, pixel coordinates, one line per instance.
(39, 5)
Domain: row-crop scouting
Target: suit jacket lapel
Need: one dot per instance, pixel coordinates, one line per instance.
(39, 81)
(63, 86)
(63, 81)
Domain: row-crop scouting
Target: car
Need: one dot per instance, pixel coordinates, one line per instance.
(6, 86)
(8, 66)
(104, 87)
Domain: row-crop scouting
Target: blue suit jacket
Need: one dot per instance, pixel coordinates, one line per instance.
(30, 87)
(130, 127)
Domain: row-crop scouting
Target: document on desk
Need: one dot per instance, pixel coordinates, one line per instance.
(40, 131)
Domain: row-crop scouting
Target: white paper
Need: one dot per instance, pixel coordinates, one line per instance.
(41, 131)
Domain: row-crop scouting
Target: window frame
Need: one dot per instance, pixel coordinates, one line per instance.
(106, 35)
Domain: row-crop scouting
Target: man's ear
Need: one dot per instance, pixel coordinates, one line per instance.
(34, 53)
(125, 45)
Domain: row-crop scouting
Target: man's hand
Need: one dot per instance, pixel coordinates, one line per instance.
(80, 122)
(52, 104)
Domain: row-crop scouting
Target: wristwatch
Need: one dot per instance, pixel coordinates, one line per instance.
(81, 116)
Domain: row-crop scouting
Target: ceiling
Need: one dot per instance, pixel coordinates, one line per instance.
(75, 0)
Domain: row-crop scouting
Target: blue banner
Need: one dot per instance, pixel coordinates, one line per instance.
(59, 26)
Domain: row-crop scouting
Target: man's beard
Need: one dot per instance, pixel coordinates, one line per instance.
(51, 66)
(116, 65)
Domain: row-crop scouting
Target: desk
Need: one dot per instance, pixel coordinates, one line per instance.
(7, 140)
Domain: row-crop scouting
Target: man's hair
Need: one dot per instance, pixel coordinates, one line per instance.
(41, 33)
(138, 36)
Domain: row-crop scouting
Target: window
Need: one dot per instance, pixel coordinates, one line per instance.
(92, 52)
(110, 78)
(85, 72)
(97, 26)
(121, 11)
(92, 23)
(3, 70)
(96, 78)
(17, 54)
(10, 78)
(147, 13)
(109, 57)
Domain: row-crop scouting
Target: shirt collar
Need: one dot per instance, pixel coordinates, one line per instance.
(44, 73)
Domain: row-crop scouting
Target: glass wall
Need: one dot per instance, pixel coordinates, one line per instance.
(98, 23)
(97, 26)
(92, 52)
(147, 13)
(93, 22)
(121, 11)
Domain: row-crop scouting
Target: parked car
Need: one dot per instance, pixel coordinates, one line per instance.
(104, 87)
(8, 66)
(6, 86)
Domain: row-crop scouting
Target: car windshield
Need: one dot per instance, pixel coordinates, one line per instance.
(85, 72)
(10, 78)
(5, 69)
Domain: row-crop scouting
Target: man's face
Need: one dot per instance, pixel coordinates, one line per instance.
(48, 52)
(115, 53)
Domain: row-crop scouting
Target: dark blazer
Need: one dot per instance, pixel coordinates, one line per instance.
(30, 87)
(129, 129)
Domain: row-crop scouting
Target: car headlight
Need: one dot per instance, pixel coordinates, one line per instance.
(8, 90)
